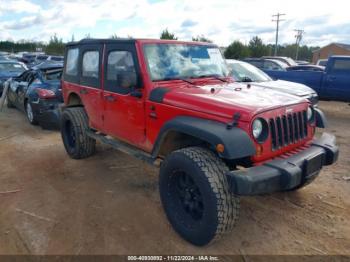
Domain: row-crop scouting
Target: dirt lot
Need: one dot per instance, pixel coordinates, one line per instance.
(109, 204)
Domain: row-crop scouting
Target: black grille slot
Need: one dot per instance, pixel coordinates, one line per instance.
(296, 127)
(273, 134)
(291, 129)
(285, 130)
(279, 132)
(305, 123)
(301, 125)
(288, 129)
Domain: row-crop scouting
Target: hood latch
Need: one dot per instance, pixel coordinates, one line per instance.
(234, 123)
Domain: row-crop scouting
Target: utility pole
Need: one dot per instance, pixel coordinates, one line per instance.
(298, 37)
(277, 20)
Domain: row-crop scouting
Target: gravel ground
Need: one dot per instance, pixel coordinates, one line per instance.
(109, 203)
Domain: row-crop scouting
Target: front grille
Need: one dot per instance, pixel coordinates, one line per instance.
(288, 129)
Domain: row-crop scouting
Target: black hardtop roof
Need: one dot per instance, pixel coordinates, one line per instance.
(102, 41)
(92, 41)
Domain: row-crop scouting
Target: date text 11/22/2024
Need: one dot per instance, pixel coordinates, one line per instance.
(173, 258)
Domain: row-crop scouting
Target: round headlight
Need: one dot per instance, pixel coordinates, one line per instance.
(260, 130)
(310, 114)
(257, 128)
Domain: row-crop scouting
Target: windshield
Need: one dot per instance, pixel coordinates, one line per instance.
(176, 61)
(244, 72)
(15, 67)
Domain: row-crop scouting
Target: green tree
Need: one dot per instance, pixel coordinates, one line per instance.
(201, 38)
(167, 35)
(257, 47)
(236, 50)
(114, 36)
(55, 46)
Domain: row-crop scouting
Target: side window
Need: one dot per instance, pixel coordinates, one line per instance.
(72, 62)
(341, 65)
(269, 65)
(90, 66)
(256, 63)
(121, 73)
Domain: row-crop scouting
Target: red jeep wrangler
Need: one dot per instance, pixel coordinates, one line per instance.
(172, 103)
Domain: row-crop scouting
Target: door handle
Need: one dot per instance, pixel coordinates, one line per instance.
(84, 91)
(110, 98)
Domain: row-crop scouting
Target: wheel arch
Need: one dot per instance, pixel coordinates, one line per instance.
(74, 100)
(185, 131)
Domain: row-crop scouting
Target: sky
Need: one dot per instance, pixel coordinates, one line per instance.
(222, 21)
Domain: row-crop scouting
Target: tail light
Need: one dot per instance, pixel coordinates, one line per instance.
(45, 93)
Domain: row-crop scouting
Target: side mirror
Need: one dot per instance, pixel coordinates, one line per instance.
(136, 93)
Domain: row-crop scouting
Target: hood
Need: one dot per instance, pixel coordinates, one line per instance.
(287, 87)
(226, 99)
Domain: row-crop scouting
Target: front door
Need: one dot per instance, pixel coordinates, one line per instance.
(123, 112)
(338, 80)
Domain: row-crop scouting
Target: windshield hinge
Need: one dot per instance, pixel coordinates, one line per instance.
(234, 122)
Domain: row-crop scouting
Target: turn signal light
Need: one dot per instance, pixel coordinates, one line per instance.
(220, 148)
(45, 93)
(259, 150)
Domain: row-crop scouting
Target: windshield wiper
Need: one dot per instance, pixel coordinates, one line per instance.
(175, 78)
(212, 76)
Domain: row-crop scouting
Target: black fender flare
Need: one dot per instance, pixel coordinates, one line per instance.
(321, 120)
(236, 141)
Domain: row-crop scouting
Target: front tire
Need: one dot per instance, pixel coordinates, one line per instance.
(196, 196)
(74, 124)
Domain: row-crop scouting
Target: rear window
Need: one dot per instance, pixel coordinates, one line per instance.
(90, 64)
(341, 65)
(72, 62)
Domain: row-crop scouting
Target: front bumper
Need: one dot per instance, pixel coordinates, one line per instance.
(285, 174)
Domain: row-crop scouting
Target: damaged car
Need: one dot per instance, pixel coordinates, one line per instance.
(246, 73)
(9, 69)
(37, 93)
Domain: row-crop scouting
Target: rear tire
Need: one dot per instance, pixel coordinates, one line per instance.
(30, 114)
(74, 124)
(196, 196)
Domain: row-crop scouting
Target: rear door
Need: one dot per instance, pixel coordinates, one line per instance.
(337, 80)
(123, 112)
(90, 61)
